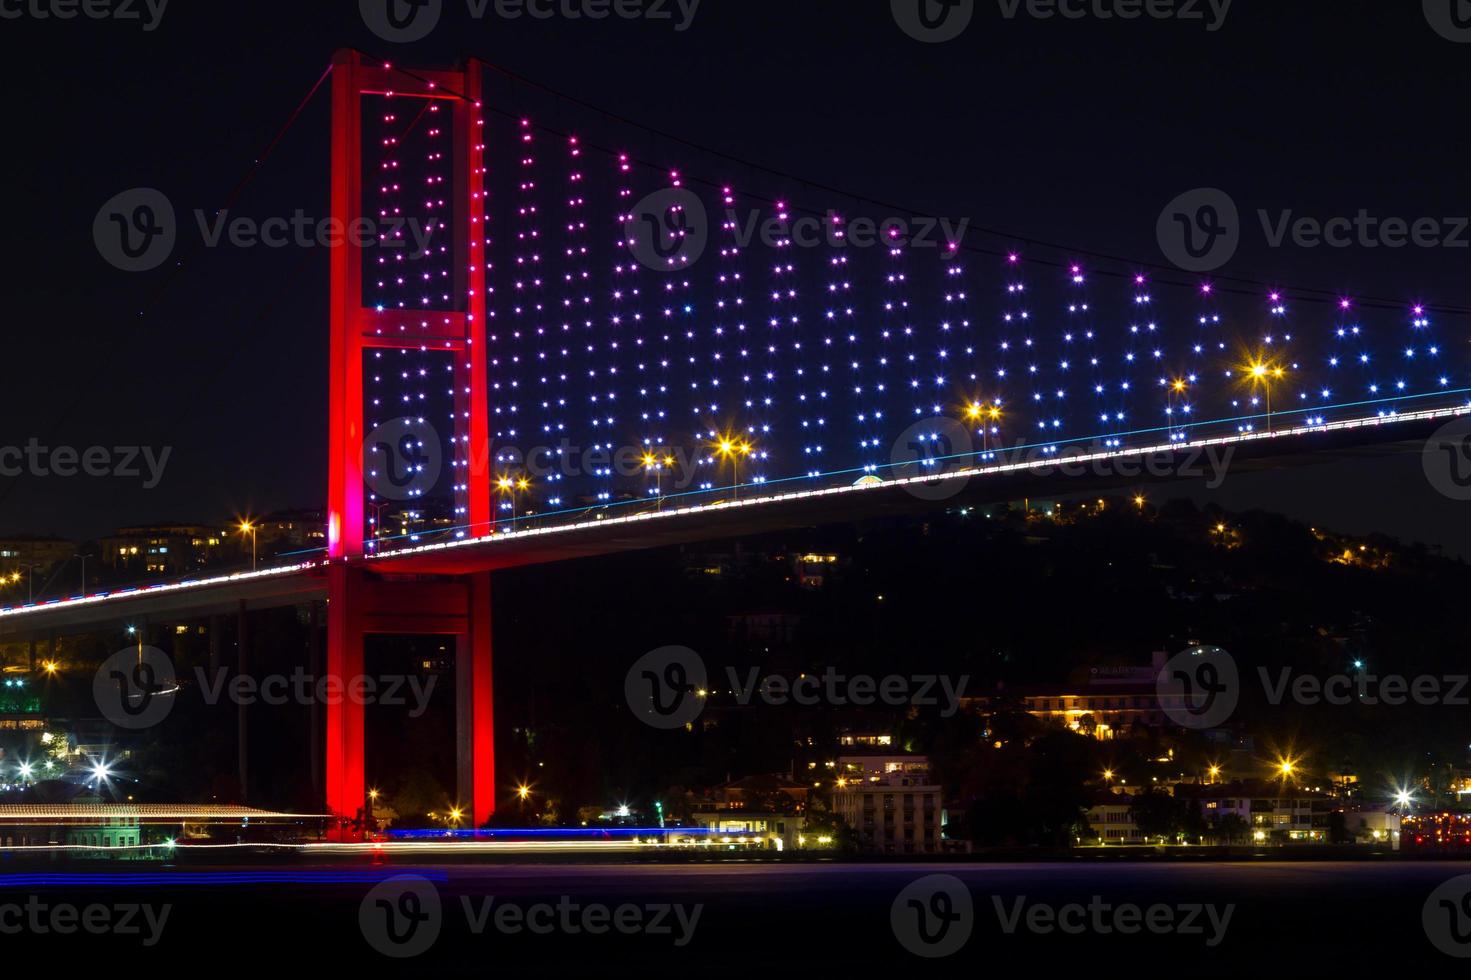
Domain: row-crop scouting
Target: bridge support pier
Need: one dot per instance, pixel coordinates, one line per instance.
(475, 706)
(359, 605)
(346, 792)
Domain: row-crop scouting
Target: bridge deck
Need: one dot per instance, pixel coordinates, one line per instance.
(763, 511)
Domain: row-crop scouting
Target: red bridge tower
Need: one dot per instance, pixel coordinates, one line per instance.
(359, 602)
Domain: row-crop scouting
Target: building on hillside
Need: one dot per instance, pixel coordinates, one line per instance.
(1112, 821)
(767, 808)
(1272, 813)
(1374, 823)
(170, 549)
(1254, 812)
(1103, 703)
(892, 801)
(26, 554)
(287, 531)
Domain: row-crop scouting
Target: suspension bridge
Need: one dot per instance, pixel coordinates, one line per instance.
(550, 347)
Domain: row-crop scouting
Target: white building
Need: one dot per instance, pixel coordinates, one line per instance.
(891, 801)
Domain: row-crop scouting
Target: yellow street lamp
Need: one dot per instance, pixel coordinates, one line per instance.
(510, 486)
(1176, 389)
(1261, 373)
(733, 449)
(247, 526)
(656, 463)
(983, 413)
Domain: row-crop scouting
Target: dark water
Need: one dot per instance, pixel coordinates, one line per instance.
(735, 919)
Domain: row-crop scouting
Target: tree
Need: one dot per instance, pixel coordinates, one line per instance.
(1157, 815)
(1230, 828)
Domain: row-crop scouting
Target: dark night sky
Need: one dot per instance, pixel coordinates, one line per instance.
(1072, 132)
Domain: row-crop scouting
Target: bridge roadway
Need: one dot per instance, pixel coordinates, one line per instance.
(762, 510)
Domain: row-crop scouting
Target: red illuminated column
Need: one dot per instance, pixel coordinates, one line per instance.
(345, 729)
(475, 706)
(471, 379)
(345, 354)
